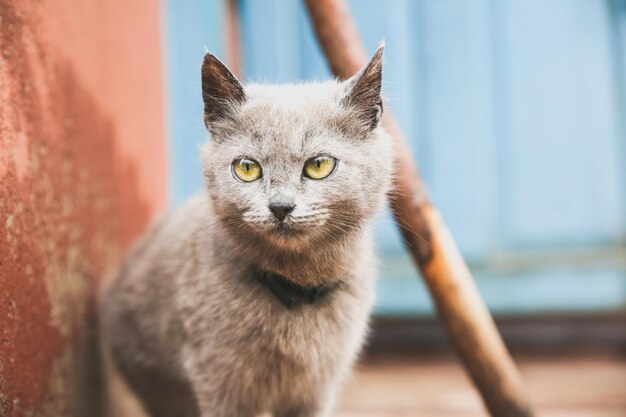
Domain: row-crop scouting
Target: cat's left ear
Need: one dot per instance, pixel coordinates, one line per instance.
(364, 90)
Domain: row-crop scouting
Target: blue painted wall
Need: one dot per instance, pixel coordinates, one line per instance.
(190, 28)
(514, 109)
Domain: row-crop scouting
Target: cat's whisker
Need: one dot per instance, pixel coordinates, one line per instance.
(405, 226)
(346, 227)
(315, 216)
(315, 223)
(304, 219)
(211, 226)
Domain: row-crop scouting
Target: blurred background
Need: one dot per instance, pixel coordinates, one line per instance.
(515, 111)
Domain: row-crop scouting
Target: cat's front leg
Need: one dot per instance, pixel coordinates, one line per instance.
(302, 410)
(216, 396)
(305, 411)
(223, 409)
(318, 407)
(221, 404)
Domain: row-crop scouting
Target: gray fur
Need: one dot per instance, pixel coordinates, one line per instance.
(190, 328)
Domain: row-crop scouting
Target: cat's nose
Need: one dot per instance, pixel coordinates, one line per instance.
(281, 210)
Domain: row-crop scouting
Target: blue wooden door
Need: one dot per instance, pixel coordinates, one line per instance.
(514, 110)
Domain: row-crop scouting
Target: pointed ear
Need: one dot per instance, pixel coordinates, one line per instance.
(221, 90)
(364, 90)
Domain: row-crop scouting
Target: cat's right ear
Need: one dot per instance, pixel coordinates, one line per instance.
(221, 91)
(364, 90)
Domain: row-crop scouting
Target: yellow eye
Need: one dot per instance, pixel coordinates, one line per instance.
(246, 169)
(320, 167)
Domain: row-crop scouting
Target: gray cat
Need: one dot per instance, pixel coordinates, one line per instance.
(254, 296)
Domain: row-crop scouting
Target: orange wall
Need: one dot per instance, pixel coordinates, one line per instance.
(82, 170)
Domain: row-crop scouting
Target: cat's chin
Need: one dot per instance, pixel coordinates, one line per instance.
(287, 230)
(287, 234)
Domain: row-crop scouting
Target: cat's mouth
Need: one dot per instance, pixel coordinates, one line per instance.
(288, 228)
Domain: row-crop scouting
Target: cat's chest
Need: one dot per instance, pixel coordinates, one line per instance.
(244, 316)
(323, 330)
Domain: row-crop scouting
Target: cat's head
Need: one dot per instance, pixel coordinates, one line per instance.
(295, 166)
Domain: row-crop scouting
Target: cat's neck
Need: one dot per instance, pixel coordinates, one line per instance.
(291, 294)
(309, 267)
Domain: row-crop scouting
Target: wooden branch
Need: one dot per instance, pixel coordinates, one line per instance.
(469, 325)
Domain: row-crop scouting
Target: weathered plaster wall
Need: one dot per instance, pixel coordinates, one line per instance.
(81, 173)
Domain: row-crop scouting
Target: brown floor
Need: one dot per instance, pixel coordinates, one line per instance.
(573, 386)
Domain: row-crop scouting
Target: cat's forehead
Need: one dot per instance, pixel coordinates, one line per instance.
(291, 103)
(288, 111)
(291, 122)
(290, 95)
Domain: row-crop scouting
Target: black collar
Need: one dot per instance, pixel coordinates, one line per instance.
(291, 294)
